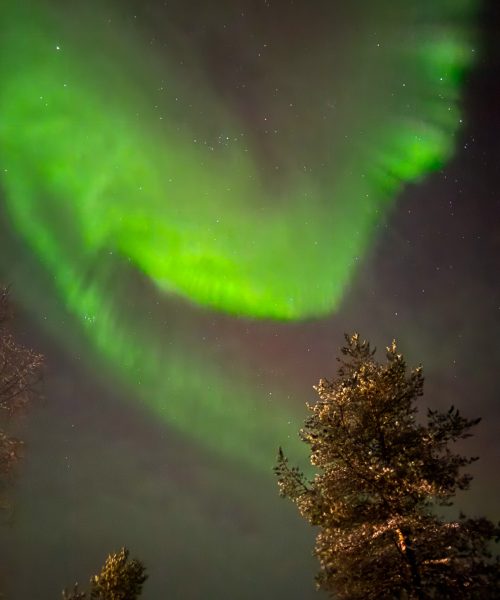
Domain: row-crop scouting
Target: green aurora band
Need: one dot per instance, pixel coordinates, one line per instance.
(105, 161)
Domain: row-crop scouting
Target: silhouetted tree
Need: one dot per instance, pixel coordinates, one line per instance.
(380, 476)
(119, 579)
(20, 369)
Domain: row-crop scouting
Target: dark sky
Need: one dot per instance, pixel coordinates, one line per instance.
(103, 467)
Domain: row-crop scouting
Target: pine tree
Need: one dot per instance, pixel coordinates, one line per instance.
(381, 476)
(119, 579)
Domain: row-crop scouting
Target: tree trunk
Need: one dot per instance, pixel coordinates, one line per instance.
(404, 545)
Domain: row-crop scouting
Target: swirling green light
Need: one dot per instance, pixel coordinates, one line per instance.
(97, 151)
(108, 150)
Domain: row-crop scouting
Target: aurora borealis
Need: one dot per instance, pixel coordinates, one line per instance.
(189, 195)
(102, 166)
(182, 191)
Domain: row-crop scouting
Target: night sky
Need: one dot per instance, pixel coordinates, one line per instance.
(197, 201)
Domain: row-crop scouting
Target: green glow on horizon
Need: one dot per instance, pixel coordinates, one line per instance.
(106, 150)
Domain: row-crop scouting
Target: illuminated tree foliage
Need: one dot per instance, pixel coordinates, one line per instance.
(381, 473)
(119, 579)
(19, 371)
